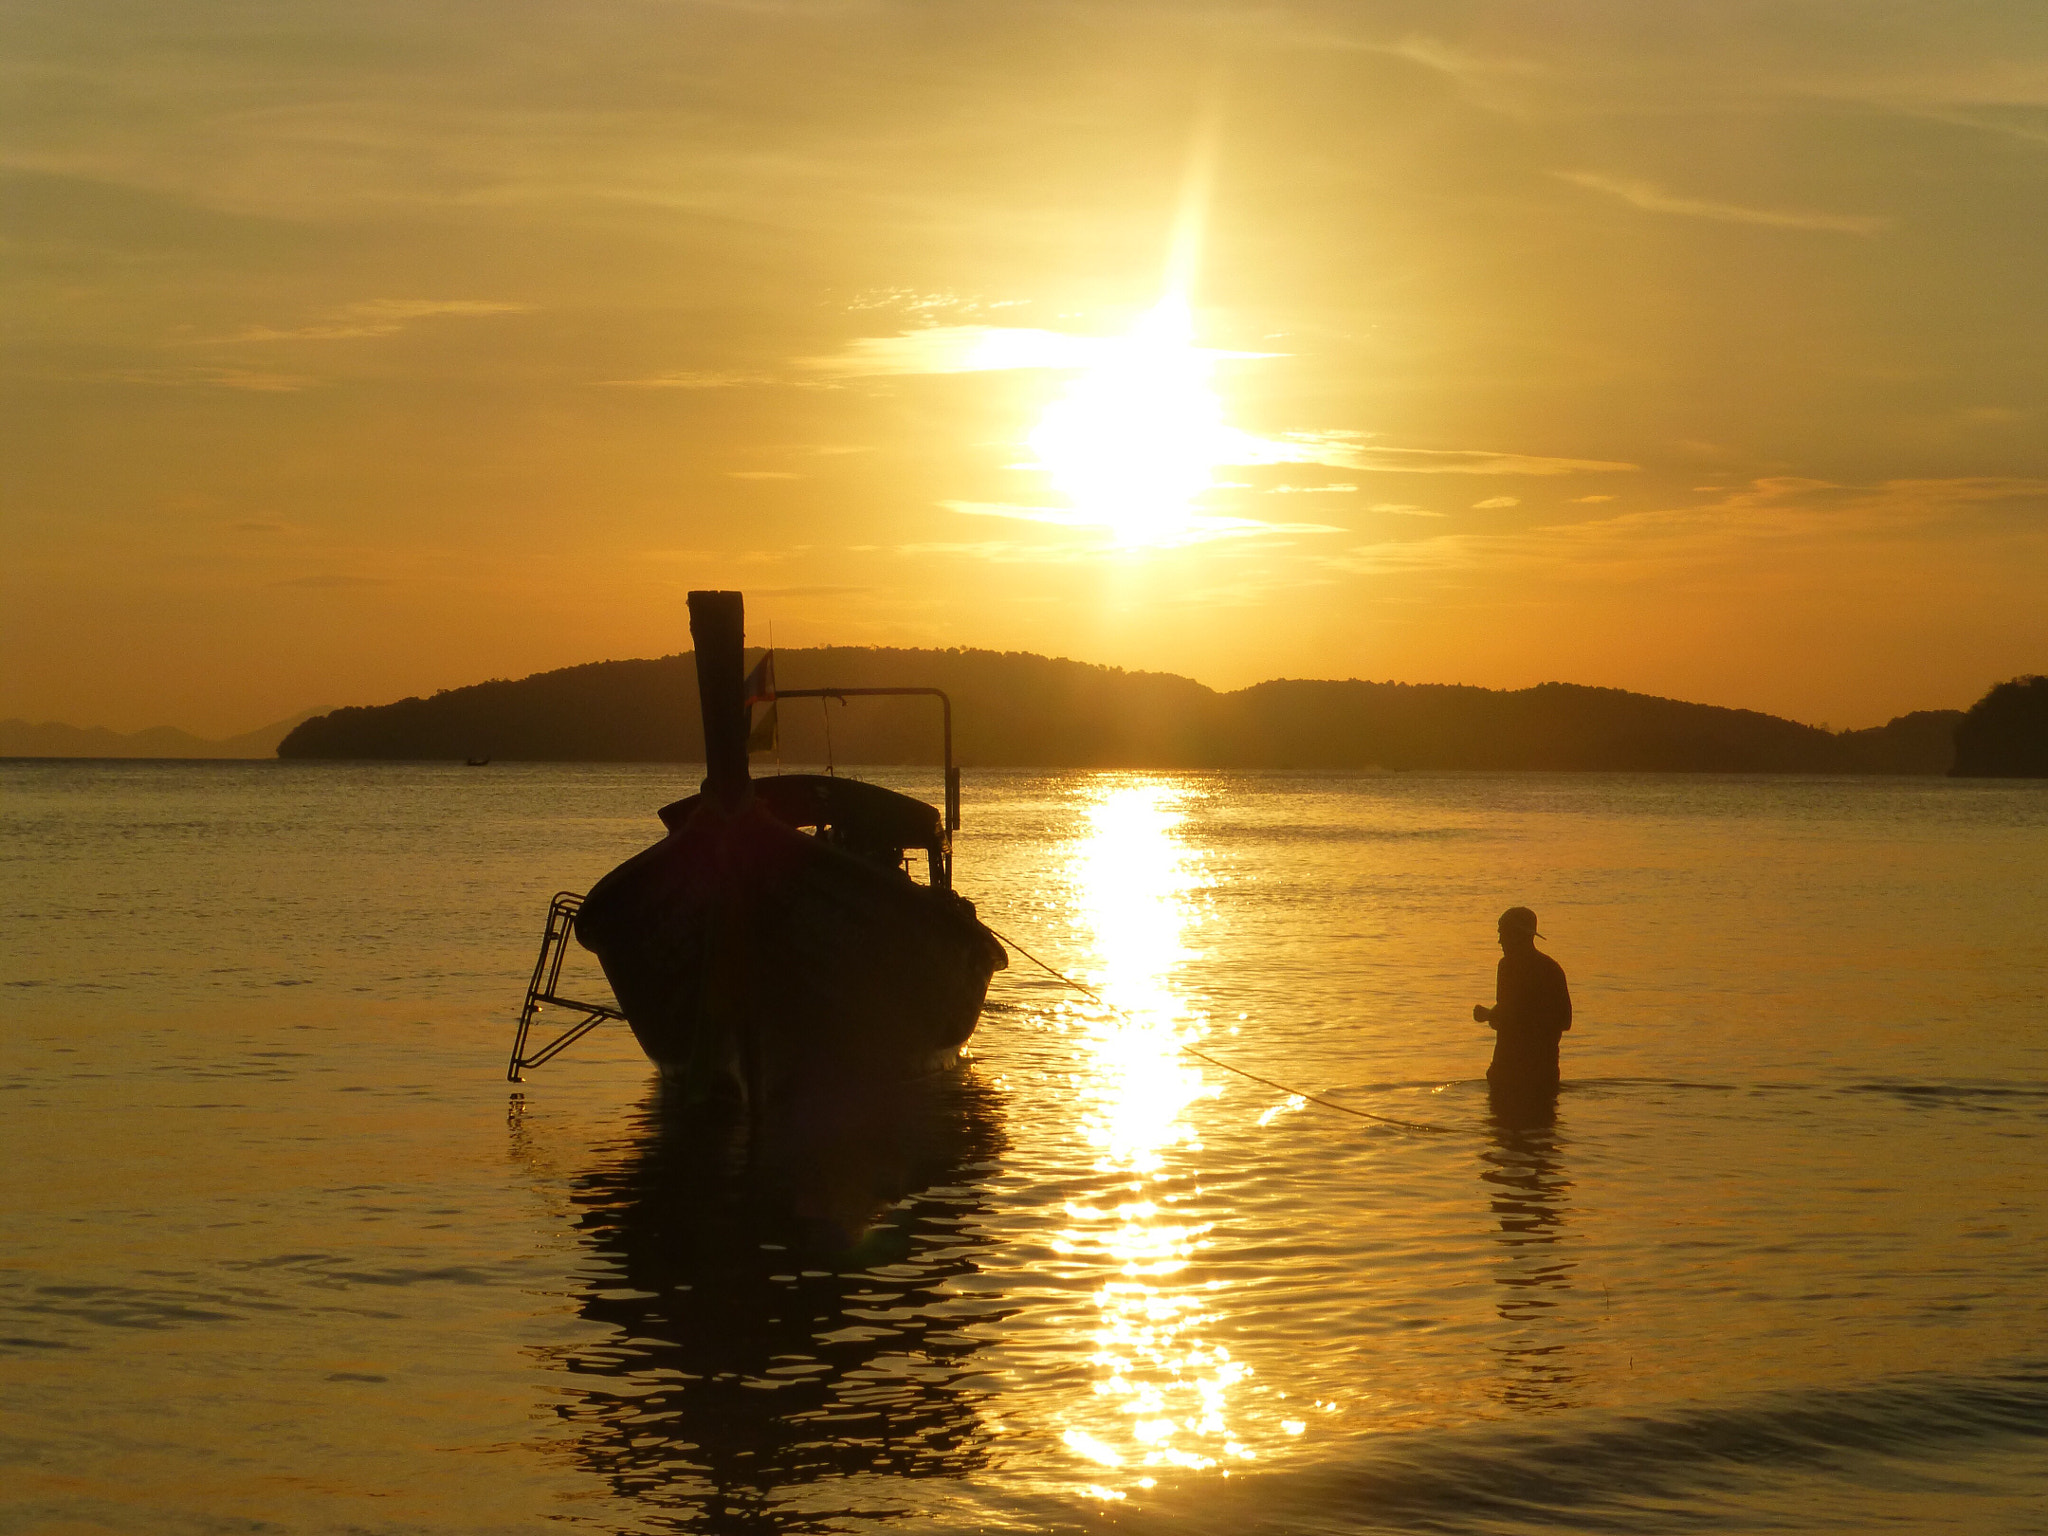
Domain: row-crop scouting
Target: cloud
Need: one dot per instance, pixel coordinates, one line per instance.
(1493, 502)
(1402, 556)
(253, 380)
(977, 349)
(913, 302)
(1653, 199)
(1352, 450)
(1009, 552)
(1465, 67)
(371, 317)
(959, 349)
(1475, 72)
(333, 581)
(775, 556)
(1749, 537)
(1060, 517)
(1197, 528)
(1660, 59)
(689, 379)
(1402, 509)
(2026, 131)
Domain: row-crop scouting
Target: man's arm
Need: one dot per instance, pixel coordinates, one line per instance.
(1481, 1014)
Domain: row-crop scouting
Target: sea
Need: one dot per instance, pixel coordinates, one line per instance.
(1216, 1231)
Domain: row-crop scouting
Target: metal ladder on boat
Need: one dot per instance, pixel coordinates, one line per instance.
(540, 992)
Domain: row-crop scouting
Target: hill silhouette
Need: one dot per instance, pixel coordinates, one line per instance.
(1016, 709)
(51, 738)
(2005, 734)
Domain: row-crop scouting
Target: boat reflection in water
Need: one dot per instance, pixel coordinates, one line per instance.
(1523, 1171)
(1164, 1393)
(785, 1317)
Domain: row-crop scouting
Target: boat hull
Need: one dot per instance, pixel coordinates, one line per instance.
(755, 961)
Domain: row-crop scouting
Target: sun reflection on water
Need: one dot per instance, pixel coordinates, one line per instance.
(1164, 1391)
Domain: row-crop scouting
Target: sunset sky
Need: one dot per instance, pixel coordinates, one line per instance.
(359, 350)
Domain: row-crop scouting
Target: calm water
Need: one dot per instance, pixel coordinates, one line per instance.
(285, 1253)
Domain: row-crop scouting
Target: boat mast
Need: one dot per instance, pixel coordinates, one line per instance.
(718, 629)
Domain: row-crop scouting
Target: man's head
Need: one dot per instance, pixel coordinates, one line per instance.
(1518, 928)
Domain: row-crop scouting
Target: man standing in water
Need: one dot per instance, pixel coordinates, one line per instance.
(1532, 1007)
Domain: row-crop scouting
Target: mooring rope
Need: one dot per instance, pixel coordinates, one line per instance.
(1308, 1098)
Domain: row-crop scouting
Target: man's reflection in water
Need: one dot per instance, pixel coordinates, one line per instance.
(1526, 1180)
(787, 1316)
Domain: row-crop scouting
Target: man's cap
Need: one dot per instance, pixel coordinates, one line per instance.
(1519, 920)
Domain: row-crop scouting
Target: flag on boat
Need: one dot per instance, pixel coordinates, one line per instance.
(761, 690)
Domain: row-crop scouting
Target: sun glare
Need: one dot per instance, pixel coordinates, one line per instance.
(1137, 437)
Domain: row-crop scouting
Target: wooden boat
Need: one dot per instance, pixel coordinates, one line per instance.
(776, 939)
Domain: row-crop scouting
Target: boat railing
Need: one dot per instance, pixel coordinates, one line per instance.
(946, 725)
(541, 992)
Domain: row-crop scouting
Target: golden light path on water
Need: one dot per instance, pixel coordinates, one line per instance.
(1165, 1395)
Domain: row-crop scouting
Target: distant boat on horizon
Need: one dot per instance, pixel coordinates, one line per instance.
(476, 762)
(775, 948)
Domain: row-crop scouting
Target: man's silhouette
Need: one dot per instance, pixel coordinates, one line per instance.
(1532, 1007)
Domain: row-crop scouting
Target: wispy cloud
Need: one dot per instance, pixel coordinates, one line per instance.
(1395, 556)
(911, 301)
(1355, 450)
(333, 581)
(959, 349)
(371, 317)
(1059, 517)
(1199, 527)
(1731, 541)
(1465, 67)
(690, 556)
(1008, 551)
(254, 380)
(689, 379)
(2029, 129)
(1651, 198)
(977, 349)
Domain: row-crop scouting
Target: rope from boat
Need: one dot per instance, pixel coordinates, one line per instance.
(1308, 1098)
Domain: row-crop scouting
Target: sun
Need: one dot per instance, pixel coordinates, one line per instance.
(1138, 437)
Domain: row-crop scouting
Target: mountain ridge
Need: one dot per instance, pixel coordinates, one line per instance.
(1020, 709)
(53, 738)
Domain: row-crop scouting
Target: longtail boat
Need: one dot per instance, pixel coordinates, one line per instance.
(776, 942)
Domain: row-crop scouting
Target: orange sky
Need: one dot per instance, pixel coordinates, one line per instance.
(359, 350)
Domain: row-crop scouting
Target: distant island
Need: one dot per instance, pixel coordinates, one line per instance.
(1015, 709)
(49, 738)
